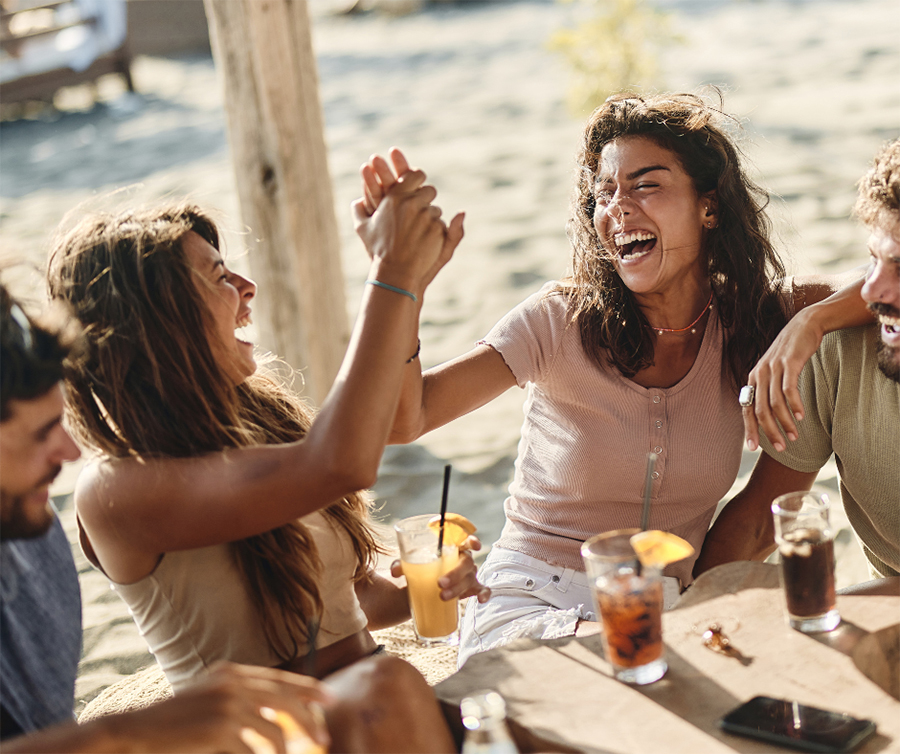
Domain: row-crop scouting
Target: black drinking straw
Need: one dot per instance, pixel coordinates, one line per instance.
(444, 507)
(648, 485)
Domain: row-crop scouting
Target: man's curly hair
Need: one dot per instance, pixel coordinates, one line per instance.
(878, 203)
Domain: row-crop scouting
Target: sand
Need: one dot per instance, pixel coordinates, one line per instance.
(470, 91)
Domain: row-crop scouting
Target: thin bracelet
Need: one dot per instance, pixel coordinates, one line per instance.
(393, 288)
(415, 356)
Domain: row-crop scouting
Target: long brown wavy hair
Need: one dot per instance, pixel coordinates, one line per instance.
(146, 385)
(744, 269)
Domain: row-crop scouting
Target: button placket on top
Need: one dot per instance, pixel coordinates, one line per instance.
(659, 436)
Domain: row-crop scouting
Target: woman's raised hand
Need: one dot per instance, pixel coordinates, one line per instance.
(402, 230)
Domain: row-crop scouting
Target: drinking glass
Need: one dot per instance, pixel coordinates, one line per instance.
(436, 621)
(629, 602)
(806, 543)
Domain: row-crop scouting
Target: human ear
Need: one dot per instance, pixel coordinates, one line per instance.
(710, 210)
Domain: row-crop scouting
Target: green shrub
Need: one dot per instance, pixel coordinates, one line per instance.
(615, 47)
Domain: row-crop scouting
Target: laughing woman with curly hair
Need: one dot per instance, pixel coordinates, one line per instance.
(674, 293)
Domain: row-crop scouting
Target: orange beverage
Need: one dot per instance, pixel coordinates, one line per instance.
(434, 618)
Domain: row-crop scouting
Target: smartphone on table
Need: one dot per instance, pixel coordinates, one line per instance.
(798, 726)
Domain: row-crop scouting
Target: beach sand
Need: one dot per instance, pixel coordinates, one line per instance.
(470, 91)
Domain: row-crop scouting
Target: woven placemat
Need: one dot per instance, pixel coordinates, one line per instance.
(149, 685)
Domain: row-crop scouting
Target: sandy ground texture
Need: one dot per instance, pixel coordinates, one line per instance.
(473, 95)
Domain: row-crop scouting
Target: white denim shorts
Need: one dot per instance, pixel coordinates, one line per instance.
(530, 599)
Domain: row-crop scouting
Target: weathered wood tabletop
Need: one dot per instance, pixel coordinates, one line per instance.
(561, 695)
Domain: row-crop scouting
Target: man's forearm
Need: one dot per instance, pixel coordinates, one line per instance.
(744, 529)
(736, 536)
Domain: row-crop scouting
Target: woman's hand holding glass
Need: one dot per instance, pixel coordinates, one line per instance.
(462, 582)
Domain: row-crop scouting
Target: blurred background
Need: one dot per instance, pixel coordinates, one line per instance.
(488, 97)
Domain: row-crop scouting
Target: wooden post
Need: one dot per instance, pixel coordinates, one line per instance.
(263, 51)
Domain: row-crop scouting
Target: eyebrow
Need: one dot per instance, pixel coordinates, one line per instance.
(642, 171)
(218, 263)
(637, 173)
(892, 258)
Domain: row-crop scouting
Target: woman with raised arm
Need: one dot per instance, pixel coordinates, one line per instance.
(226, 515)
(673, 295)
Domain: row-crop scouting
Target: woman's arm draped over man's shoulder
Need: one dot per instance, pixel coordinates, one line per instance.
(821, 305)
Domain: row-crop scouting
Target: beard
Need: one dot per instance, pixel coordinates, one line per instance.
(22, 520)
(888, 358)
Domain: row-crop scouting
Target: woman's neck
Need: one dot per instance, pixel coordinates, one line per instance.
(677, 311)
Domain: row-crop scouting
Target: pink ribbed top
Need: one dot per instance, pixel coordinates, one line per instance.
(587, 432)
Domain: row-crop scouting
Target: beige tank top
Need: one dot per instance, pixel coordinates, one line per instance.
(194, 608)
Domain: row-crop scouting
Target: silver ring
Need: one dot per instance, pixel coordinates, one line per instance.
(748, 392)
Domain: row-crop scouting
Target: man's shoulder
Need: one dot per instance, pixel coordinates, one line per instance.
(852, 348)
(20, 552)
(35, 560)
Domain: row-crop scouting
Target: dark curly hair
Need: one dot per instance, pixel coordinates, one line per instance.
(744, 269)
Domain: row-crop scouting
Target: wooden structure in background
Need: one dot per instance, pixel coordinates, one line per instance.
(23, 22)
(263, 50)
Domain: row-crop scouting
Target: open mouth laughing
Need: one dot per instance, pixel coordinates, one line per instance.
(634, 244)
(889, 322)
(241, 329)
(890, 330)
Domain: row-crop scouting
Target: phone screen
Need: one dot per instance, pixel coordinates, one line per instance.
(797, 725)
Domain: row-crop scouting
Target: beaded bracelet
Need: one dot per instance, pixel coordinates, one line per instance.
(393, 288)
(415, 356)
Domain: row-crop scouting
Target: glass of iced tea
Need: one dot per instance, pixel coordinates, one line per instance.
(436, 621)
(806, 544)
(629, 602)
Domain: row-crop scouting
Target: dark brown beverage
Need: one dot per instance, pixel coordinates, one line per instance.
(807, 563)
(631, 611)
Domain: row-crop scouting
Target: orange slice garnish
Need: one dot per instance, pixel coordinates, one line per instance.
(456, 528)
(656, 549)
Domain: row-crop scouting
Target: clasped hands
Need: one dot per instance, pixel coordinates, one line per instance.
(402, 230)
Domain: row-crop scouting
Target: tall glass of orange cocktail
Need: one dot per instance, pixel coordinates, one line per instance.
(436, 620)
(629, 602)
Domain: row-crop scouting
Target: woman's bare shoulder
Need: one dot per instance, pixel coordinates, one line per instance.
(102, 478)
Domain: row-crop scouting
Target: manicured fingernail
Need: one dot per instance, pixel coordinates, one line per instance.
(798, 416)
(792, 436)
(751, 445)
(778, 446)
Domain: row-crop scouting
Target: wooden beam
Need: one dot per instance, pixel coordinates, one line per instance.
(263, 51)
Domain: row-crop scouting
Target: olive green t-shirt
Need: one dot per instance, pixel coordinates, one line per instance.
(853, 411)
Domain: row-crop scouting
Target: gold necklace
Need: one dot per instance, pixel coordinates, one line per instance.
(690, 327)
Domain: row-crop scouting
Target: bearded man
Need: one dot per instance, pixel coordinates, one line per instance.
(851, 393)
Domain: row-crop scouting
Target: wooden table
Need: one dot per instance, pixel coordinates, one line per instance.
(561, 695)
